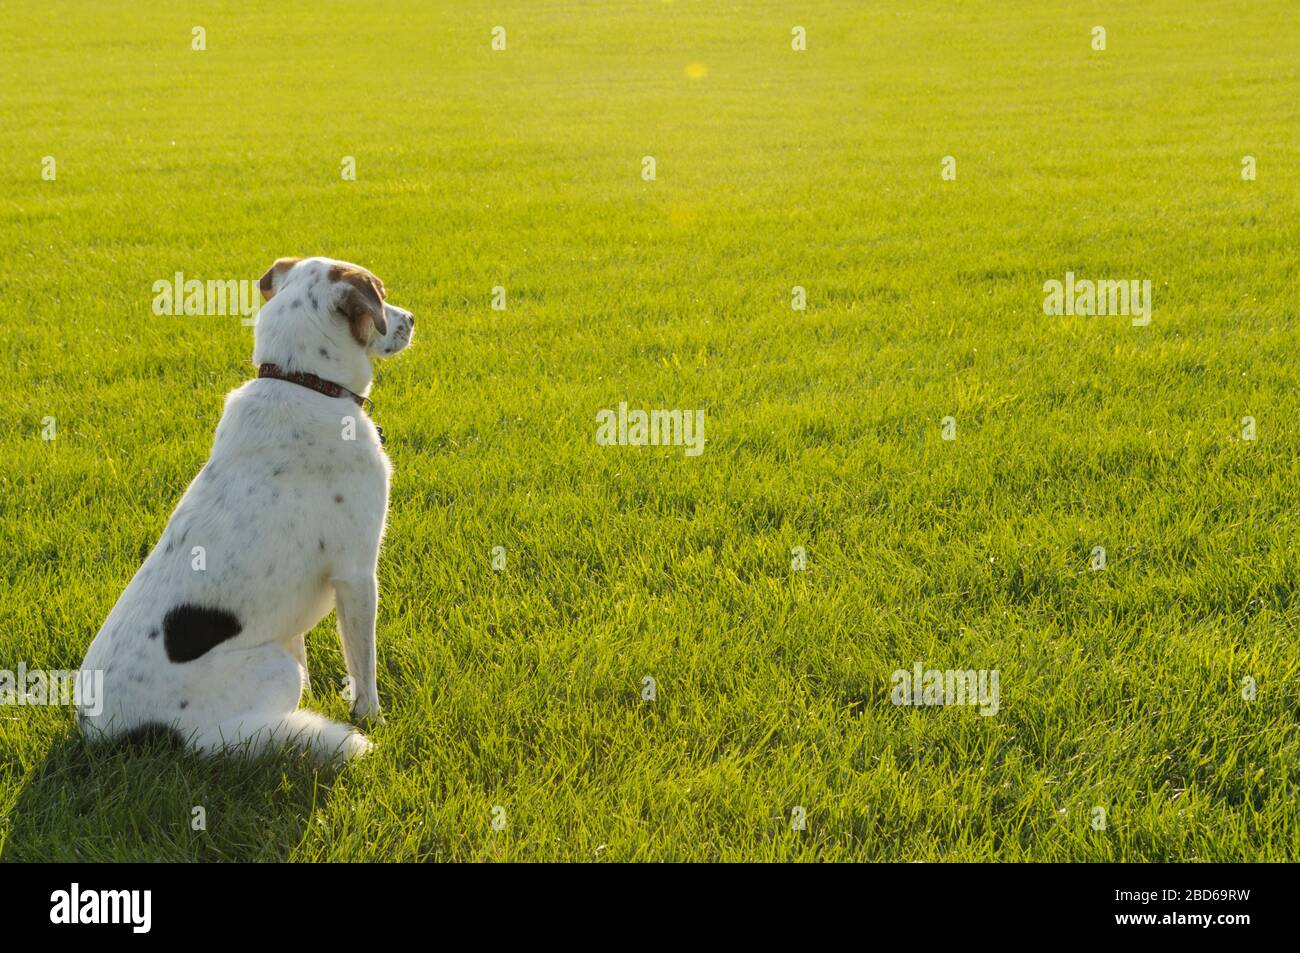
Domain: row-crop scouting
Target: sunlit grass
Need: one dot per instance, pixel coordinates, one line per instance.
(522, 689)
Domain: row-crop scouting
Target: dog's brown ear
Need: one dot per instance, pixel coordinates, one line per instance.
(270, 282)
(361, 301)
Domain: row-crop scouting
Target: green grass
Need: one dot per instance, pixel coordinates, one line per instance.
(522, 689)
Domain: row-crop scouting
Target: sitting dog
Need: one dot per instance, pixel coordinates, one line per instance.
(282, 524)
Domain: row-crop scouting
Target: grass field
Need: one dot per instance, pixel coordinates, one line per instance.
(522, 690)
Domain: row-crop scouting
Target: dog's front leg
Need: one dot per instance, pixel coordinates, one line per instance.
(357, 601)
(298, 649)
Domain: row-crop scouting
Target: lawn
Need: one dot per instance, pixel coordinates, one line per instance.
(1148, 709)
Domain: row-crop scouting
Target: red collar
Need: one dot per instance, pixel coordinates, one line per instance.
(312, 382)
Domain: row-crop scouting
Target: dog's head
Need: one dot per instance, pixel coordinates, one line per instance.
(337, 300)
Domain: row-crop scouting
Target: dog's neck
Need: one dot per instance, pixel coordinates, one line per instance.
(299, 342)
(311, 382)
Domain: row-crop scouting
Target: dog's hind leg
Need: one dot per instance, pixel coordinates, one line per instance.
(324, 739)
(267, 716)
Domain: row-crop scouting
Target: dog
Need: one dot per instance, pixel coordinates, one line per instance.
(282, 524)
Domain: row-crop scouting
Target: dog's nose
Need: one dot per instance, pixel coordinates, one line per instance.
(412, 320)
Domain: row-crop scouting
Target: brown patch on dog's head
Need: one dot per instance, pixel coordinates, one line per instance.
(361, 301)
(270, 282)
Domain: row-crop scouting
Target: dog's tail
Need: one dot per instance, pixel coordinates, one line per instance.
(325, 740)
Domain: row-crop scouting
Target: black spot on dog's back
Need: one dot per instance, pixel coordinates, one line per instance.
(189, 632)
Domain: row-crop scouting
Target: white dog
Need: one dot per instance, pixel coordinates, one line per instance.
(283, 523)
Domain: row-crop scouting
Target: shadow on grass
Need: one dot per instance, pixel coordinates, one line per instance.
(156, 802)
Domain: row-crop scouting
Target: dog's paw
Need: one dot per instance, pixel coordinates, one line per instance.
(367, 714)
